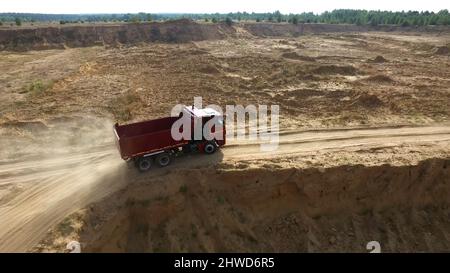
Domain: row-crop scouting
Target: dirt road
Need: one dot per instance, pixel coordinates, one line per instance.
(47, 190)
(295, 142)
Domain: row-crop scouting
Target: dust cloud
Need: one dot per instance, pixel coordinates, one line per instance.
(51, 168)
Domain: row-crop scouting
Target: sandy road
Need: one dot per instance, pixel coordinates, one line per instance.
(295, 142)
(47, 190)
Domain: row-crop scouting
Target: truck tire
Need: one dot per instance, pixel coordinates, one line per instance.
(163, 159)
(144, 164)
(210, 147)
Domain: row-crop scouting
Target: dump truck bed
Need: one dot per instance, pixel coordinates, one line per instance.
(146, 137)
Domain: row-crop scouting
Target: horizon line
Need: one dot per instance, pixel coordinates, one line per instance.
(211, 13)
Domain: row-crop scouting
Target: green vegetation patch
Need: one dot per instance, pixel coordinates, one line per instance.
(38, 87)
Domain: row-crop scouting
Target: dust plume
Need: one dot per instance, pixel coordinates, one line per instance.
(51, 168)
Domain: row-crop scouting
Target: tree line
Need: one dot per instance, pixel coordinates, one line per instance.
(341, 16)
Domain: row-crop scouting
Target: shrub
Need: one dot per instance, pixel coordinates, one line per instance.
(228, 21)
(135, 19)
(220, 200)
(183, 189)
(38, 86)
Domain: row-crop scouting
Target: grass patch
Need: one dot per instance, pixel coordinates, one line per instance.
(38, 87)
(183, 189)
(221, 200)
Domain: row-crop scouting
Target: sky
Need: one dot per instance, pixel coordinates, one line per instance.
(212, 6)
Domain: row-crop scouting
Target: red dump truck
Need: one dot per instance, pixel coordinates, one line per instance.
(150, 142)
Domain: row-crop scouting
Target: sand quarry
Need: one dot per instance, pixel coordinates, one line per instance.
(364, 149)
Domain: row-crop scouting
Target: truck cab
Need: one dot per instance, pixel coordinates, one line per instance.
(202, 116)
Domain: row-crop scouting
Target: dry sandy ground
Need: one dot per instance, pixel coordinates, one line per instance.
(341, 106)
(39, 193)
(318, 80)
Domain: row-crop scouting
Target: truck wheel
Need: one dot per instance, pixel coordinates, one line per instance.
(210, 147)
(163, 159)
(144, 164)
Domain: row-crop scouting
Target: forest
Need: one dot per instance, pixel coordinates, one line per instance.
(341, 16)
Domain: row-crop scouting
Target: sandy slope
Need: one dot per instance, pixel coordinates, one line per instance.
(50, 189)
